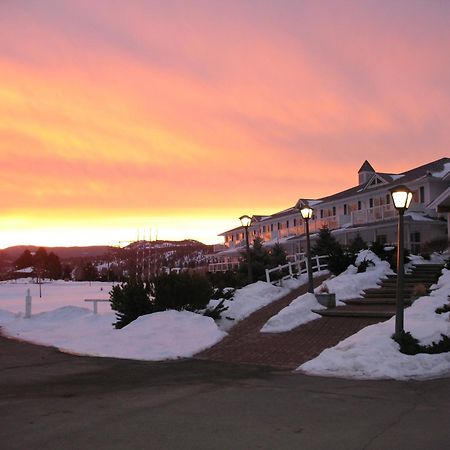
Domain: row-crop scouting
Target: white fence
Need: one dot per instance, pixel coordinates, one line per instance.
(298, 267)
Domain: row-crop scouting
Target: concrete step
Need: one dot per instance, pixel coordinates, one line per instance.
(374, 301)
(349, 313)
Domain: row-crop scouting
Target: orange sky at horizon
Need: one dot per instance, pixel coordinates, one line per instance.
(183, 115)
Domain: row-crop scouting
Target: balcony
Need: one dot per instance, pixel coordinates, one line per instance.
(375, 214)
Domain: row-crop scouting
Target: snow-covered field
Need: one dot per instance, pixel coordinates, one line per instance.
(372, 354)
(55, 294)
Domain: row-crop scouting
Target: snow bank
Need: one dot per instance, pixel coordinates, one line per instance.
(350, 284)
(372, 354)
(153, 337)
(255, 296)
(296, 314)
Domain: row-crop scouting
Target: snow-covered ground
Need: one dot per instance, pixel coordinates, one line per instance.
(255, 296)
(62, 319)
(373, 354)
(155, 337)
(296, 314)
(55, 294)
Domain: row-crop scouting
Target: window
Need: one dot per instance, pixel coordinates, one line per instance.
(422, 194)
(271, 227)
(388, 199)
(382, 239)
(334, 210)
(321, 213)
(287, 223)
(359, 205)
(345, 209)
(264, 228)
(279, 225)
(295, 222)
(370, 202)
(415, 242)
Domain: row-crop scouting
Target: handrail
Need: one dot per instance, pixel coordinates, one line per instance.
(295, 268)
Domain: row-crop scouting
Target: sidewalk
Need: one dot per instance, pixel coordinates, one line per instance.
(246, 345)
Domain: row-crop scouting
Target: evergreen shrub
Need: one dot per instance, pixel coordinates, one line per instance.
(130, 300)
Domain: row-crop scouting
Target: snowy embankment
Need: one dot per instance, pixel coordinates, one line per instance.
(373, 354)
(348, 284)
(153, 337)
(296, 314)
(255, 296)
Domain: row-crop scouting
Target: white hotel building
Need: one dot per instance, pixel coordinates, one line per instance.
(365, 209)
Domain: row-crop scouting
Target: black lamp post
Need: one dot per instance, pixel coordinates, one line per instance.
(307, 213)
(401, 197)
(246, 221)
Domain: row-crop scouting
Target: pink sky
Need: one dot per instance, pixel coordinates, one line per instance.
(182, 116)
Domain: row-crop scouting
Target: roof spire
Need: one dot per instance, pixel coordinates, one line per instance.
(366, 167)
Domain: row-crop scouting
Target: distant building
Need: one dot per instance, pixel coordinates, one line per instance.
(365, 209)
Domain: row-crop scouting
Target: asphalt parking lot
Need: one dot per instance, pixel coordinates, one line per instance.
(51, 400)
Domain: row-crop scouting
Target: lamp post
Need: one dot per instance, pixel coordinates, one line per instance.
(307, 213)
(246, 221)
(401, 197)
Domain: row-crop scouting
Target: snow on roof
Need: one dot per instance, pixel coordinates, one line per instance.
(442, 173)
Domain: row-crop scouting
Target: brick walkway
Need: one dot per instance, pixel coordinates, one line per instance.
(246, 345)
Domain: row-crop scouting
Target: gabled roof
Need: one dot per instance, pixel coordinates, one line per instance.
(433, 168)
(366, 167)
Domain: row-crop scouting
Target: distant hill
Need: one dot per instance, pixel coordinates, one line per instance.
(63, 252)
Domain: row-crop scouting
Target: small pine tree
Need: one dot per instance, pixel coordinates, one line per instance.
(357, 245)
(326, 244)
(130, 300)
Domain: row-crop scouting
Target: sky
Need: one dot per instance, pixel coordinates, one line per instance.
(178, 117)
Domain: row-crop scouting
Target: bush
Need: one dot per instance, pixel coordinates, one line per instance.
(364, 264)
(184, 291)
(409, 345)
(222, 280)
(130, 300)
(438, 245)
(338, 259)
(357, 245)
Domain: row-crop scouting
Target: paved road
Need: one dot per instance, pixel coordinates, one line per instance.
(49, 400)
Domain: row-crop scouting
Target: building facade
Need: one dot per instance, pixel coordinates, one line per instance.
(365, 209)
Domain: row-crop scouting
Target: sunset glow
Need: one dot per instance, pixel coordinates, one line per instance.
(181, 116)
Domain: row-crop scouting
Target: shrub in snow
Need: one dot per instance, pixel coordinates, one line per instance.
(326, 244)
(130, 301)
(409, 345)
(184, 291)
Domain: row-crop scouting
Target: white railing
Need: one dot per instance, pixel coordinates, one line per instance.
(375, 214)
(222, 267)
(298, 267)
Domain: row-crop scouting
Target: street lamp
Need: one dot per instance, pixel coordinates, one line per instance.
(246, 221)
(307, 213)
(401, 197)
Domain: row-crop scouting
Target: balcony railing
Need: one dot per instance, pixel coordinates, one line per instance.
(374, 214)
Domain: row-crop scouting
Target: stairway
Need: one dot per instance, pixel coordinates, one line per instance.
(381, 302)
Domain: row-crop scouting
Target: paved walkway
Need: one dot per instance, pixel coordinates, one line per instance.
(288, 350)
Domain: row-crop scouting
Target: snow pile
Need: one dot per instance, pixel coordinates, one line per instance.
(255, 296)
(153, 337)
(350, 284)
(248, 300)
(296, 314)
(373, 354)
